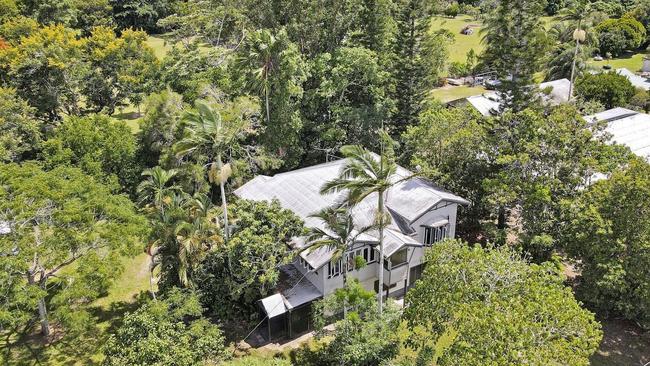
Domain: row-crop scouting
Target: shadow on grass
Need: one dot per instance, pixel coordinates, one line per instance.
(81, 348)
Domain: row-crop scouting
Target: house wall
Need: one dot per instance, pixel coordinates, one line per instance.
(368, 275)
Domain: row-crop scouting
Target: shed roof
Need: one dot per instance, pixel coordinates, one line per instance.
(627, 127)
(636, 80)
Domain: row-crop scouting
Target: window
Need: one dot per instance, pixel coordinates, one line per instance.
(303, 263)
(334, 268)
(372, 255)
(399, 258)
(435, 234)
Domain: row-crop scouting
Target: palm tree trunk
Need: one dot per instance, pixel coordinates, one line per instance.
(380, 275)
(224, 204)
(573, 65)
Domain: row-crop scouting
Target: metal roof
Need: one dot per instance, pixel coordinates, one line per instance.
(489, 104)
(636, 80)
(299, 191)
(628, 128)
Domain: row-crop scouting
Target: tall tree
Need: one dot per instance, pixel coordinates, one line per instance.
(270, 66)
(366, 174)
(209, 137)
(608, 229)
(416, 62)
(515, 47)
(58, 219)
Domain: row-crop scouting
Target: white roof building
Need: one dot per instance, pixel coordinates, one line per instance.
(489, 104)
(636, 80)
(628, 128)
(421, 215)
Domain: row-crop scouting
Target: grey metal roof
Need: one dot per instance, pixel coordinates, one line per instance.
(299, 191)
(489, 104)
(636, 80)
(294, 290)
(628, 128)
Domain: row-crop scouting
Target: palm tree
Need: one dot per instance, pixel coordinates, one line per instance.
(338, 235)
(258, 61)
(362, 176)
(578, 12)
(211, 137)
(155, 189)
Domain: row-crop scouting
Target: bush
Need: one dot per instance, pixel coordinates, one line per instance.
(610, 89)
(452, 10)
(459, 69)
(618, 35)
(167, 332)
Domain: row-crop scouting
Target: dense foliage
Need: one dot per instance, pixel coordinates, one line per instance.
(610, 89)
(58, 219)
(246, 269)
(171, 331)
(505, 311)
(608, 229)
(618, 35)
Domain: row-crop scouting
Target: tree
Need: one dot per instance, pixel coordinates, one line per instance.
(609, 231)
(363, 175)
(100, 146)
(618, 35)
(45, 67)
(610, 89)
(20, 132)
(210, 137)
(515, 45)
(419, 57)
(350, 97)
(167, 332)
(449, 146)
(160, 127)
(337, 235)
(257, 248)
(8, 10)
(58, 219)
(271, 67)
(140, 14)
(121, 68)
(542, 160)
(491, 297)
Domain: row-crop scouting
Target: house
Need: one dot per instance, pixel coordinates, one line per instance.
(421, 215)
(489, 103)
(636, 80)
(628, 128)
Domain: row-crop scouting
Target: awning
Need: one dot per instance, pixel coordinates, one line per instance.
(273, 305)
(439, 223)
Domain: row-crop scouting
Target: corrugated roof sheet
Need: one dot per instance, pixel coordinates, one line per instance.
(489, 104)
(299, 191)
(636, 80)
(628, 128)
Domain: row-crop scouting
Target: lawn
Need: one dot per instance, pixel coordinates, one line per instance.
(449, 92)
(159, 44)
(462, 43)
(631, 61)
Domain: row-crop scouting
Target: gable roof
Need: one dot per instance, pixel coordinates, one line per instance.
(299, 191)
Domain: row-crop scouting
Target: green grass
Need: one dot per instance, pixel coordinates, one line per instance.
(462, 43)
(107, 312)
(631, 61)
(449, 92)
(160, 45)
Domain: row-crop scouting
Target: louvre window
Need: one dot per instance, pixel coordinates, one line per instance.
(435, 234)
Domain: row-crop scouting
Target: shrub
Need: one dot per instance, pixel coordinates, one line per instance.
(618, 35)
(610, 89)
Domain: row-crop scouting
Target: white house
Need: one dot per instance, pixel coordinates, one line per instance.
(628, 128)
(489, 103)
(422, 214)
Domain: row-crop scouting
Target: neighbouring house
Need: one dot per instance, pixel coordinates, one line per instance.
(421, 215)
(637, 80)
(628, 128)
(489, 103)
